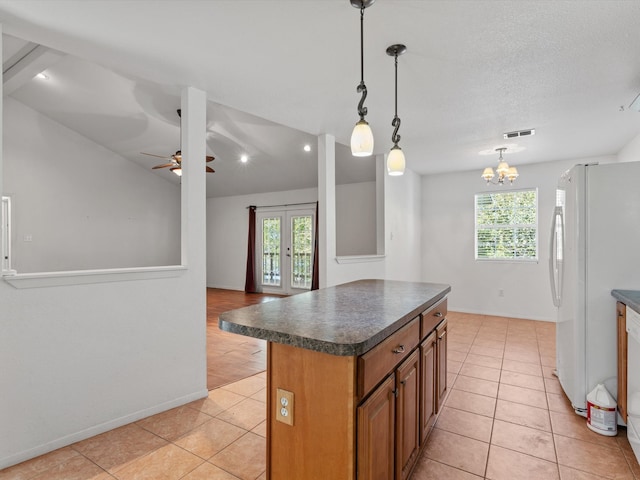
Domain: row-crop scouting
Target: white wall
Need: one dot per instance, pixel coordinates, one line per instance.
(402, 256)
(403, 217)
(81, 359)
(227, 226)
(128, 217)
(631, 151)
(227, 229)
(356, 219)
(448, 244)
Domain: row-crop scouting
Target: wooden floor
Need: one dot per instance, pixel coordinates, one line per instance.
(232, 357)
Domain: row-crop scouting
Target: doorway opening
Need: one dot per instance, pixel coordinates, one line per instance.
(284, 247)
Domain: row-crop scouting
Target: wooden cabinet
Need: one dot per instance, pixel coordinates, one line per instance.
(621, 313)
(419, 373)
(376, 433)
(388, 426)
(428, 401)
(441, 380)
(407, 415)
(369, 414)
(378, 362)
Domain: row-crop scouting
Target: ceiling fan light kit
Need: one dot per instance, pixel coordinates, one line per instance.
(362, 136)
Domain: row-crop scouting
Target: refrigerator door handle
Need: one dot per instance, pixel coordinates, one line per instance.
(555, 264)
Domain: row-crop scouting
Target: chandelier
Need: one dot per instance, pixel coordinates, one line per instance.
(503, 171)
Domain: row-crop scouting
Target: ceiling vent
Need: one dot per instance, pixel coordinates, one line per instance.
(520, 133)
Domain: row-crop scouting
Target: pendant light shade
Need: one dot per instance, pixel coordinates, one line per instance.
(395, 161)
(362, 136)
(362, 140)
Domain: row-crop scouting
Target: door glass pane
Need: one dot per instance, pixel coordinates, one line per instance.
(271, 251)
(301, 246)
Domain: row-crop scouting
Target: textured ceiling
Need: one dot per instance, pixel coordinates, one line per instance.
(473, 70)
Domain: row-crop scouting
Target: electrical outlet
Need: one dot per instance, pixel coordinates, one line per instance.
(284, 406)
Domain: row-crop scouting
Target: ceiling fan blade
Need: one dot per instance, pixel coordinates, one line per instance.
(165, 165)
(153, 155)
(209, 169)
(209, 158)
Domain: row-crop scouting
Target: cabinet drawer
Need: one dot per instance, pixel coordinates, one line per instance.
(376, 364)
(432, 317)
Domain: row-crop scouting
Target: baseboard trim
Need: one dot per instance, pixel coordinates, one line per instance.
(500, 314)
(66, 440)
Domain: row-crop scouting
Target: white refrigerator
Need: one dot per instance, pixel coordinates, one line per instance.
(595, 247)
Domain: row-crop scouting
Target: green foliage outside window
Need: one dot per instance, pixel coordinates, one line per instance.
(271, 251)
(507, 225)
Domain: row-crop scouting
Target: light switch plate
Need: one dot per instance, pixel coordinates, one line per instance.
(284, 406)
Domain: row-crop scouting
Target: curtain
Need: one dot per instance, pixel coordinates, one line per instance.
(315, 273)
(250, 285)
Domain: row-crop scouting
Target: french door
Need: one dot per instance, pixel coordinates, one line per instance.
(285, 250)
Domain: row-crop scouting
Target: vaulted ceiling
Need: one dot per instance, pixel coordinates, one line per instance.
(278, 73)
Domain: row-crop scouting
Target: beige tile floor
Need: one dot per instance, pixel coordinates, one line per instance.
(505, 418)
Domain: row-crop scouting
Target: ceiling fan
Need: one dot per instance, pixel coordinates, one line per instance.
(176, 159)
(176, 162)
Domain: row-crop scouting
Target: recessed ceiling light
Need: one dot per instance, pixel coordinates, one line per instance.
(42, 76)
(307, 148)
(244, 158)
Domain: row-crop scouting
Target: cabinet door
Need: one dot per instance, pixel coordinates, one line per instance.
(428, 391)
(621, 311)
(441, 381)
(407, 415)
(376, 433)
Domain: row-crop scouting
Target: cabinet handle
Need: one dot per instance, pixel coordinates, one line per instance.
(403, 382)
(443, 334)
(399, 349)
(395, 392)
(438, 314)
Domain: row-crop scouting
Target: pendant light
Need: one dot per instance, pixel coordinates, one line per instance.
(503, 171)
(395, 159)
(362, 136)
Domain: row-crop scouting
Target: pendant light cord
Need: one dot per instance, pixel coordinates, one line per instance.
(362, 44)
(362, 88)
(395, 138)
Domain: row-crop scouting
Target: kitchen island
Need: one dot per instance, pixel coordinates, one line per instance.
(355, 377)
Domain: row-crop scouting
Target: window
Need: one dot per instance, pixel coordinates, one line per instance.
(507, 225)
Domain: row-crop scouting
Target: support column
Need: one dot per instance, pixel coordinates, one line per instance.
(327, 207)
(381, 178)
(193, 183)
(194, 216)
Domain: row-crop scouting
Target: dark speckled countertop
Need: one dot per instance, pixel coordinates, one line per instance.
(631, 298)
(344, 320)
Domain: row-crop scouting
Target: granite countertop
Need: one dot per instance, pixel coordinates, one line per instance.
(631, 298)
(344, 320)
